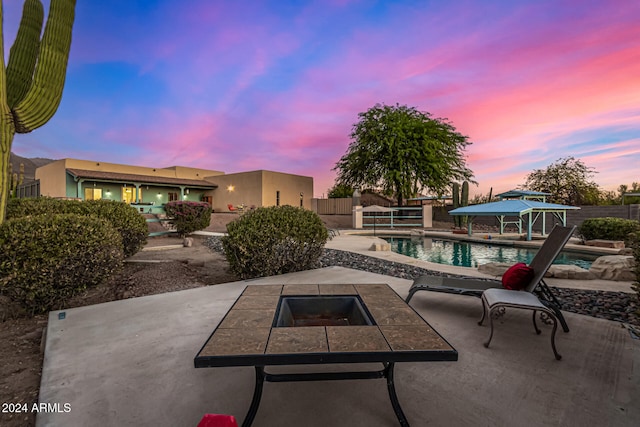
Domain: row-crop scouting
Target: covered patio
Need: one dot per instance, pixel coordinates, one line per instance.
(513, 211)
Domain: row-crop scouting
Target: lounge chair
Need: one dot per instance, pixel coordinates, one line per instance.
(474, 286)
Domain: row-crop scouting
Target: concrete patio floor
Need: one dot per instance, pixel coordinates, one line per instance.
(130, 363)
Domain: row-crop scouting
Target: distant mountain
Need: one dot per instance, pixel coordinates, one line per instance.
(30, 165)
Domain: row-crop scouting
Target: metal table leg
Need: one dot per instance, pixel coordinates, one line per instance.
(393, 396)
(387, 372)
(257, 395)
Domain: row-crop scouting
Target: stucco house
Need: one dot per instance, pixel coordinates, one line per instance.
(150, 188)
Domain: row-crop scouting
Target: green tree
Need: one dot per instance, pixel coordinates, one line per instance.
(568, 182)
(340, 190)
(32, 82)
(403, 151)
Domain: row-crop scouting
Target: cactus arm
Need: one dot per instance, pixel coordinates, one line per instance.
(24, 52)
(456, 202)
(6, 130)
(43, 98)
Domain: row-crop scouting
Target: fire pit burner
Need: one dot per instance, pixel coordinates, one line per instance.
(321, 311)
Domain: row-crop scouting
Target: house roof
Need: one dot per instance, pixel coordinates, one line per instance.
(510, 208)
(141, 179)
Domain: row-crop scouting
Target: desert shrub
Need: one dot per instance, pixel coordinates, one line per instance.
(188, 217)
(124, 218)
(274, 240)
(608, 228)
(46, 259)
(131, 226)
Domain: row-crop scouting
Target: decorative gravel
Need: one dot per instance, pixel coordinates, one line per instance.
(619, 306)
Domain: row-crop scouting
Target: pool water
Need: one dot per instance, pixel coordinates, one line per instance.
(471, 254)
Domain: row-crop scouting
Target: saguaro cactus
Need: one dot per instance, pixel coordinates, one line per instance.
(464, 201)
(31, 85)
(456, 202)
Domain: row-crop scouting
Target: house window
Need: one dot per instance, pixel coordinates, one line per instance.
(173, 197)
(92, 193)
(301, 198)
(277, 198)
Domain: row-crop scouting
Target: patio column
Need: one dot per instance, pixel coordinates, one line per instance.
(357, 217)
(427, 216)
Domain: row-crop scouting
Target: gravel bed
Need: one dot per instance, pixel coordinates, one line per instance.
(618, 306)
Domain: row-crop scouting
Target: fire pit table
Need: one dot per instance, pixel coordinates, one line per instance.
(322, 324)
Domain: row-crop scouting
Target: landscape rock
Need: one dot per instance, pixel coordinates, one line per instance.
(494, 268)
(187, 242)
(599, 243)
(380, 247)
(614, 267)
(572, 272)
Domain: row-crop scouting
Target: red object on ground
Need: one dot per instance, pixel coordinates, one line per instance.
(217, 420)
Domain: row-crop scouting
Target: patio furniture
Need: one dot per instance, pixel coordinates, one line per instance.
(474, 286)
(497, 299)
(322, 324)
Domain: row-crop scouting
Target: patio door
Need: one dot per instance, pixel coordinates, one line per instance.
(129, 194)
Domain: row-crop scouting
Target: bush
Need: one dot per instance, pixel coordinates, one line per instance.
(188, 217)
(608, 228)
(131, 226)
(274, 240)
(46, 259)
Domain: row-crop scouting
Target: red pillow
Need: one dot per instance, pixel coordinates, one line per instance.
(517, 277)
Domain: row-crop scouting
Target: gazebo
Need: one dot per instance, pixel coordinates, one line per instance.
(515, 208)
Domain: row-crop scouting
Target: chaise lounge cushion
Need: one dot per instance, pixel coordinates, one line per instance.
(517, 277)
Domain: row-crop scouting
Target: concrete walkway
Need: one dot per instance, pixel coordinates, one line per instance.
(130, 363)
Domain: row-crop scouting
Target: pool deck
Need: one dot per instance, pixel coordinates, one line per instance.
(360, 242)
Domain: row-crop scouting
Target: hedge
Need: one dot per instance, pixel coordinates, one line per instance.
(131, 226)
(47, 259)
(274, 240)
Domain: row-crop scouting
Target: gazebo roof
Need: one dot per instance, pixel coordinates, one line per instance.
(517, 207)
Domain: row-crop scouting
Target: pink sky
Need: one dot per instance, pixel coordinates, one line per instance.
(278, 85)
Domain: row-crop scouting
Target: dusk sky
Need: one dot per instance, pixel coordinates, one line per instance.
(277, 85)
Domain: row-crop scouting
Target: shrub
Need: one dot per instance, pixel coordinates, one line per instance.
(131, 226)
(608, 228)
(188, 217)
(274, 240)
(46, 259)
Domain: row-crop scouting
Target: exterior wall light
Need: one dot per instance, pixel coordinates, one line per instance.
(231, 188)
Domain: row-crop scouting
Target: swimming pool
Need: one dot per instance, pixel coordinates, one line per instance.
(471, 254)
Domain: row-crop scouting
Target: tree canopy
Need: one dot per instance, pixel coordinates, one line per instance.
(403, 151)
(568, 182)
(340, 190)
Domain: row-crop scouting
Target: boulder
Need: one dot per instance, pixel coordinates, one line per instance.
(599, 243)
(614, 267)
(187, 242)
(573, 272)
(494, 268)
(380, 247)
